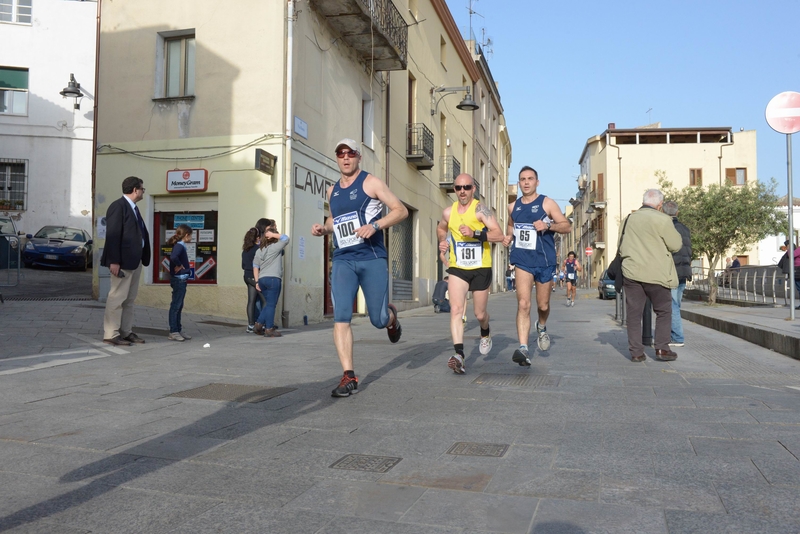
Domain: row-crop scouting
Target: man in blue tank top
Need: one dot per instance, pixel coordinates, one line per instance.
(359, 260)
(533, 219)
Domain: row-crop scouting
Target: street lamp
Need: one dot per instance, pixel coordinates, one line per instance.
(467, 104)
(73, 90)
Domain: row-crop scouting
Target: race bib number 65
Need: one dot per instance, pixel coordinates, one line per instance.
(524, 236)
(345, 226)
(469, 255)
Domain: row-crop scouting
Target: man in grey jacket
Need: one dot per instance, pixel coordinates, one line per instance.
(646, 250)
(683, 266)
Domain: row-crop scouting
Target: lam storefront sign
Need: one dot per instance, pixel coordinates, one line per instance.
(182, 181)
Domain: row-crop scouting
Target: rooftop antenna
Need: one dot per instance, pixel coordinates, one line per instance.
(486, 42)
(649, 116)
(472, 12)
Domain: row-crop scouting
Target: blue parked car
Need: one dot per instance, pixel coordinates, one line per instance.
(605, 286)
(59, 246)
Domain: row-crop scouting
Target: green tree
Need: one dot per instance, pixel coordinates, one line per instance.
(725, 217)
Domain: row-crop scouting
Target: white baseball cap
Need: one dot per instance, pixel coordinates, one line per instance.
(352, 144)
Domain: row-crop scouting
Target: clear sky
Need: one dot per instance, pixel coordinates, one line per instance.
(567, 69)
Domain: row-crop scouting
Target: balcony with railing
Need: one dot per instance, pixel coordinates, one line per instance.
(597, 238)
(451, 168)
(597, 198)
(512, 192)
(374, 28)
(419, 148)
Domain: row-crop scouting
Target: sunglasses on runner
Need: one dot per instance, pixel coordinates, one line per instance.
(342, 153)
(464, 187)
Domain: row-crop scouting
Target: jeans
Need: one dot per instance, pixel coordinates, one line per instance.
(508, 283)
(178, 293)
(677, 326)
(271, 289)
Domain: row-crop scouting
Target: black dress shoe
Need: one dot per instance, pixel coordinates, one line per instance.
(666, 355)
(133, 338)
(117, 340)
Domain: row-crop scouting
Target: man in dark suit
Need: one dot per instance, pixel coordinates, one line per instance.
(127, 248)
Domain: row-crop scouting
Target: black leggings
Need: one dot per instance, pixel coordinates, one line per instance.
(252, 295)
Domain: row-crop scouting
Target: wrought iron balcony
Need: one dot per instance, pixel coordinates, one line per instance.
(419, 150)
(374, 28)
(451, 168)
(598, 238)
(597, 198)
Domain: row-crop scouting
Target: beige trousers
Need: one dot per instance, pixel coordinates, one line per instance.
(118, 319)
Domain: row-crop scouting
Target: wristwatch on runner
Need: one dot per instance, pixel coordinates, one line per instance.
(376, 226)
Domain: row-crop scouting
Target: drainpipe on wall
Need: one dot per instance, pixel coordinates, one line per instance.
(729, 143)
(388, 129)
(619, 172)
(287, 144)
(94, 137)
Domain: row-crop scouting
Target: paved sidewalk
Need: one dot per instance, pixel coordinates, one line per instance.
(91, 439)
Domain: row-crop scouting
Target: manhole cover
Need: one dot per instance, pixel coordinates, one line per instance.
(232, 393)
(465, 448)
(48, 299)
(526, 380)
(365, 462)
(221, 323)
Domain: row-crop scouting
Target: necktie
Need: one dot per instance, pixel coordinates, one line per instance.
(142, 227)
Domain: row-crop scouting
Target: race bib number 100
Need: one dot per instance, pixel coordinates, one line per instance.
(345, 226)
(469, 255)
(524, 236)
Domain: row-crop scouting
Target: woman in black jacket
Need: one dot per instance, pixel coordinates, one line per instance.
(255, 300)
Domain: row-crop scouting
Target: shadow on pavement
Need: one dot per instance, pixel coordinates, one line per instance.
(128, 465)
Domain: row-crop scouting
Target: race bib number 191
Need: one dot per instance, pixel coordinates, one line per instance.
(469, 255)
(345, 226)
(524, 236)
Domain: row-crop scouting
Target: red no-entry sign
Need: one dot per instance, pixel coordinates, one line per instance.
(783, 112)
(588, 251)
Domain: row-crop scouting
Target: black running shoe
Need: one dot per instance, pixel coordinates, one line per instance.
(521, 357)
(394, 330)
(347, 386)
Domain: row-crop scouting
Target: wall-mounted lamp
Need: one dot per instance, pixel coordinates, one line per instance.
(590, 210)
(467, 104)
(73, 90)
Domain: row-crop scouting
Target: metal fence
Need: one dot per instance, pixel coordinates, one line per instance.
(758, 284)
(10, 261)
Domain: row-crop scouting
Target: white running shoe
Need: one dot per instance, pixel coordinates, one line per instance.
(486, 344)
(456, 363)
(544, 338)
(572, 303)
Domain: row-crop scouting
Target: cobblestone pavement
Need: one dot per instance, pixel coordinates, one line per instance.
(92, 438)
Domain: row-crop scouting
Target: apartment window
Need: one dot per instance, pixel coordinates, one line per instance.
(736, 176)
(13, 184)
(443, 52)
(16, 11)
(13, 91)
(367, 121)
(179, 63)
(696, 177)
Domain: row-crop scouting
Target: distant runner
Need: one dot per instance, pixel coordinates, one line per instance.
(572, 267)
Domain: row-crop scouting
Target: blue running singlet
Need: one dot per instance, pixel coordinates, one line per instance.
(531, 248)
(352, 208)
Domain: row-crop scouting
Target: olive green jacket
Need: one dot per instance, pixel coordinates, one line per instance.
(647, 247)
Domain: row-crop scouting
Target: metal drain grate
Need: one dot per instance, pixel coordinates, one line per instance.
(221, 323)
(232, 393)
(466, 448)
(365, 462)
(48, 299)
(526, 380)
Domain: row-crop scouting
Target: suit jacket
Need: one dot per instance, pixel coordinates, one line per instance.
(124, 238)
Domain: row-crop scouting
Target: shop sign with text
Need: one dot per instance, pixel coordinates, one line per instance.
(187, 180)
